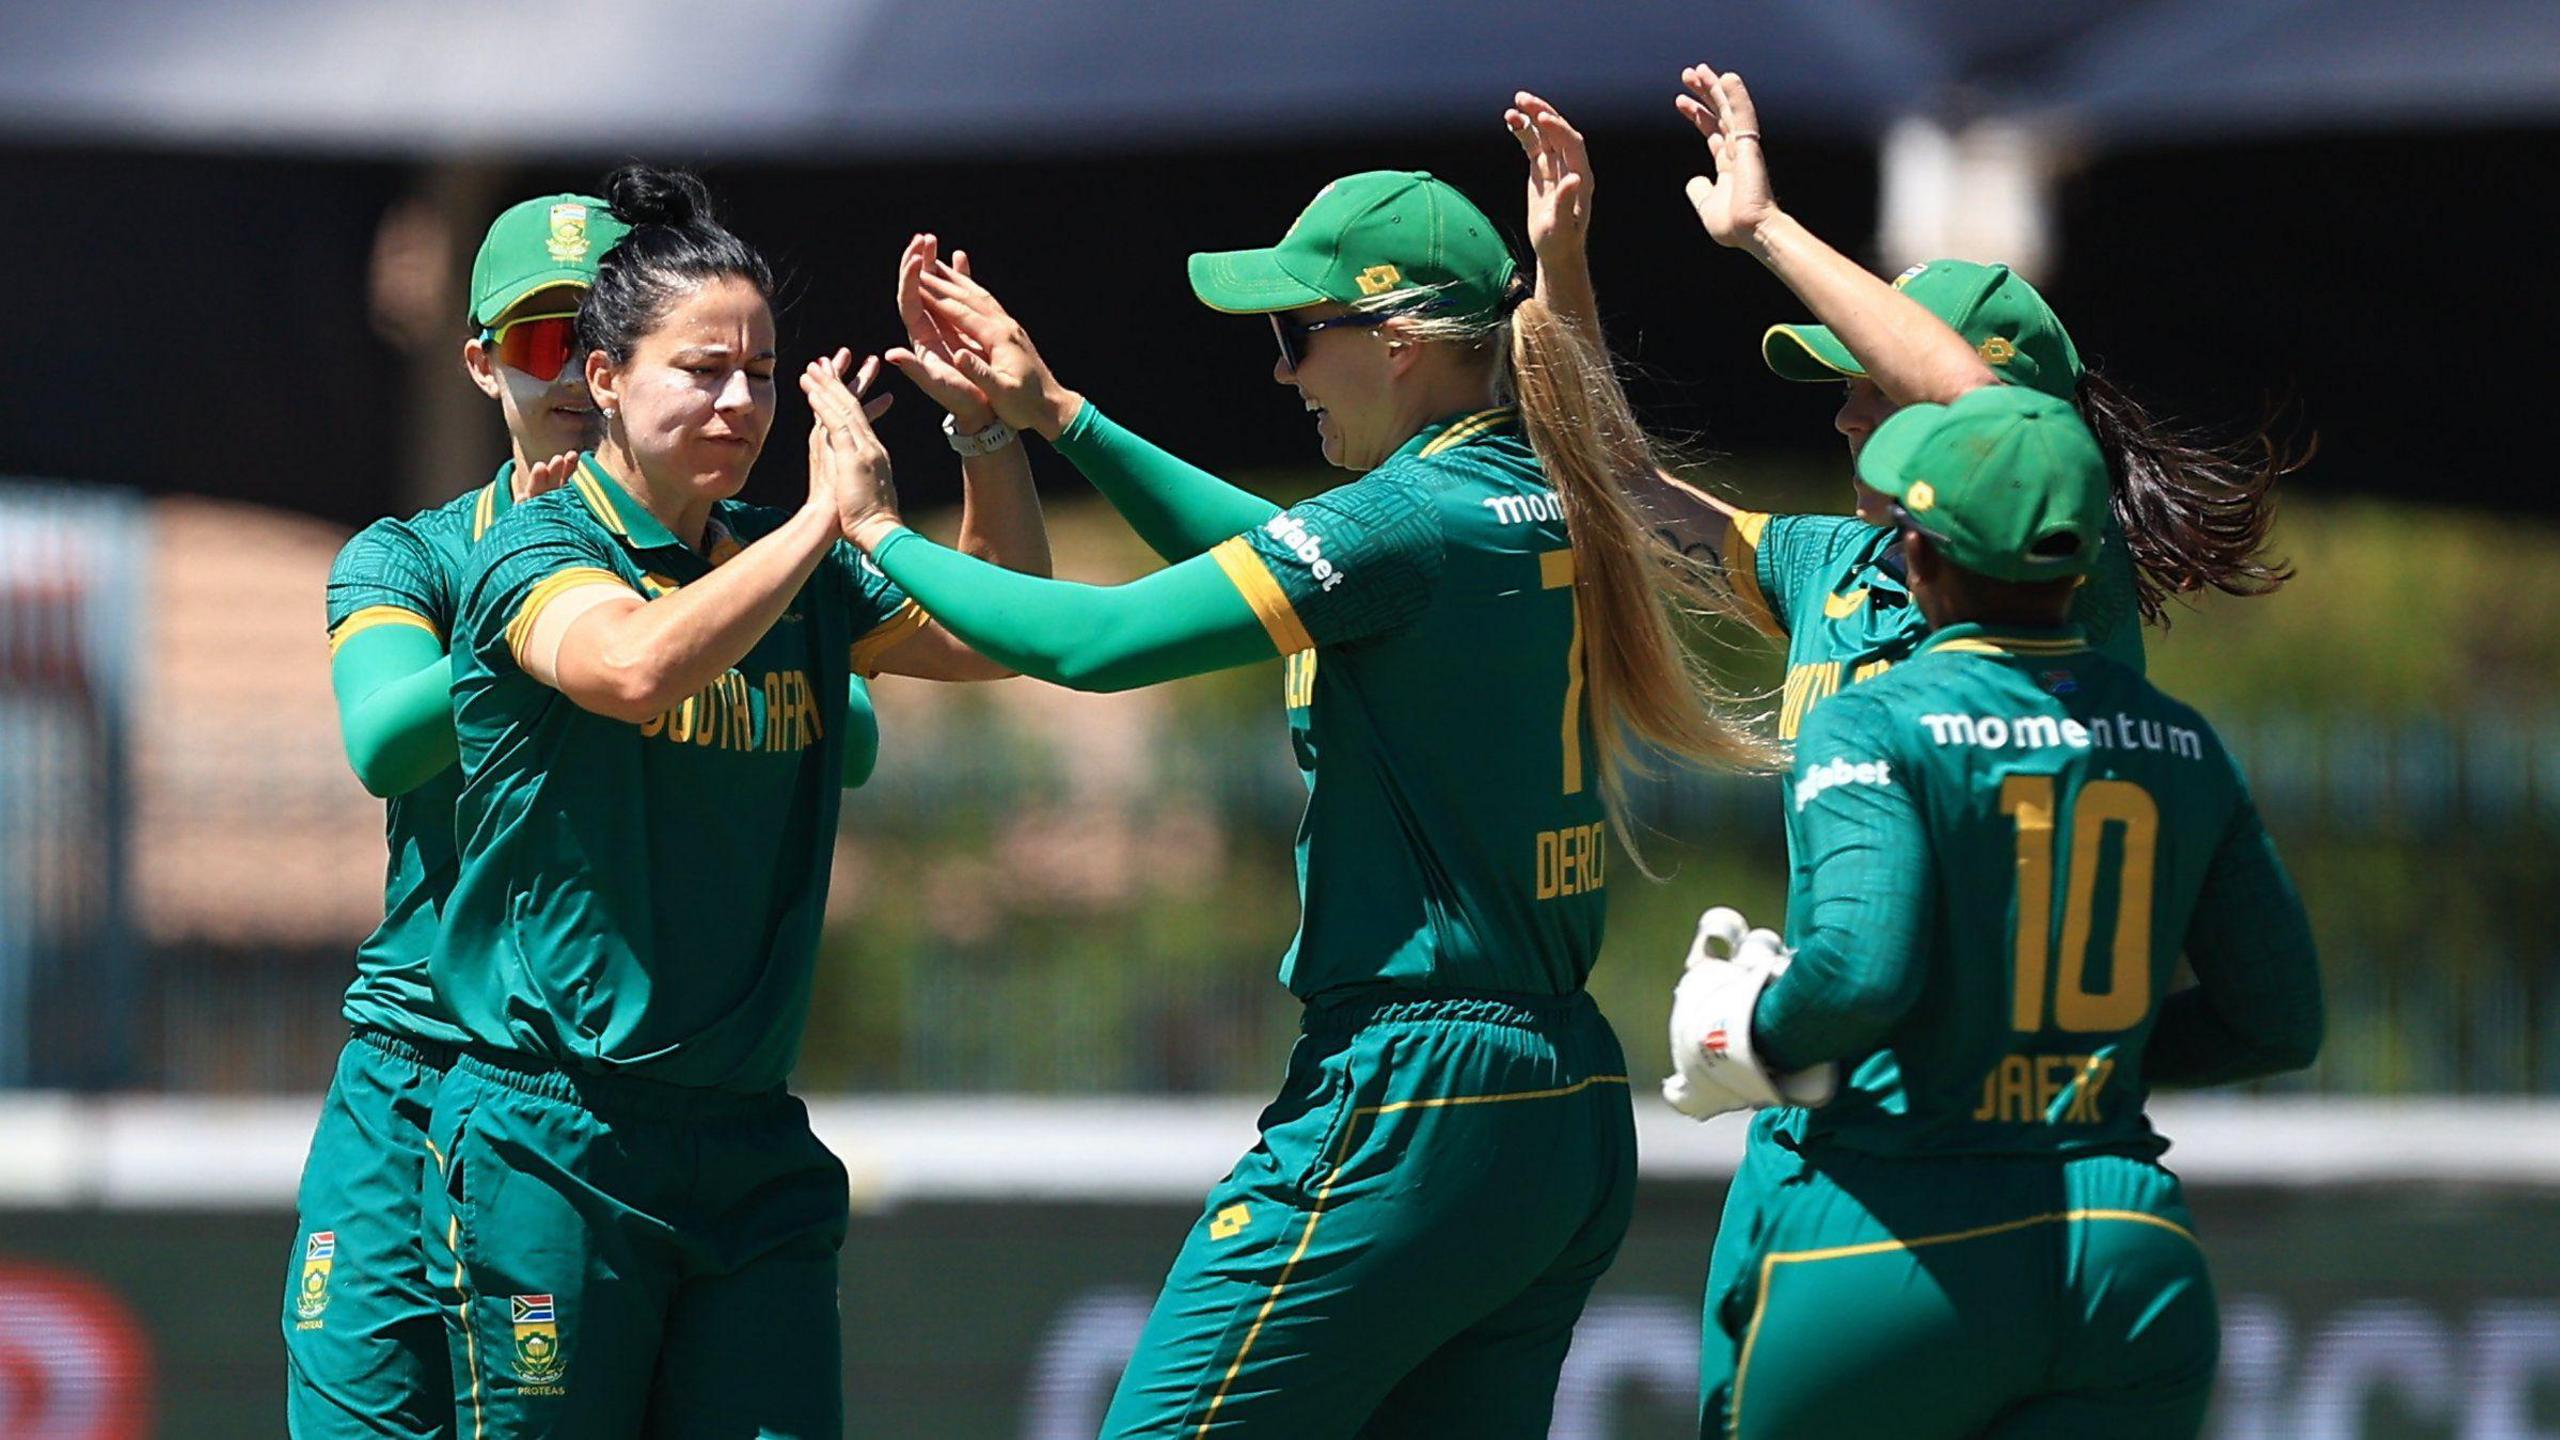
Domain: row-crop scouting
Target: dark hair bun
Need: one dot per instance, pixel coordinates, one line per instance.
(644, 195)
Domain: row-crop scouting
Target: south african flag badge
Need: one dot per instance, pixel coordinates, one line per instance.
(538, 1358)
(319, 1257)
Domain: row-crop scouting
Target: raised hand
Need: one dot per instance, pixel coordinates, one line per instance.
(848, 466)
(1736, 202)
(930, 357)
(1559, 178)
(542, 476)
(994, 352)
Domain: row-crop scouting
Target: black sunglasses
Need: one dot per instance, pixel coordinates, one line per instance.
(1292, 334)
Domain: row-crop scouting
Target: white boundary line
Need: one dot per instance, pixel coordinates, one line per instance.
(167, 1153)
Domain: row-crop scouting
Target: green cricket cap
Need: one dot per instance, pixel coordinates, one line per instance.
(2006, 482)
(546, 241)
(1364, 235)
(2010, 326)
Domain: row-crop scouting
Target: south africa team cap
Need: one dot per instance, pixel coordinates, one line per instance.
(546, 241)
(2006, 482)
(2010, 326)
(1369, 234)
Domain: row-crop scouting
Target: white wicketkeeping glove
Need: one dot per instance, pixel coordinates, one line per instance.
(1713, 1066)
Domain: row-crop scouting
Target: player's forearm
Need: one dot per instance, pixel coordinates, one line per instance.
(1000, 520)
(2255, 1008)
(636, 661)
(1179, 509)
(395, 710)
(1184, 621)
(1912, 354)
(1840, 996)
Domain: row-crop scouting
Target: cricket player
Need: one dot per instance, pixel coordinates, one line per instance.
(2001, 849)
(1470, 628)
(2186, 515)
(364, 1347)
(631, 1226)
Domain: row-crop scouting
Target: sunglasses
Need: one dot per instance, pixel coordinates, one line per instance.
(537, 345)
(1292, 334)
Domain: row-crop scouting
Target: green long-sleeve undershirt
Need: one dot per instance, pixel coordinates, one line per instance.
(1179, 509)
(394, 685)
(1188, 619)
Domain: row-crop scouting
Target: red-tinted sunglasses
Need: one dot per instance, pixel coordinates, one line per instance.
(537, 345)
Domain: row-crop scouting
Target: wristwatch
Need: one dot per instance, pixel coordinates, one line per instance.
(995, 437)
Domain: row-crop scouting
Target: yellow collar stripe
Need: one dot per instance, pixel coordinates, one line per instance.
(485, 512)
(1988, 646)
(1261, 590)
(372, 616)
(1469, 428)
(593, 494)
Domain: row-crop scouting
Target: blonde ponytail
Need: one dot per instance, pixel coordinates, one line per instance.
(1630, 586)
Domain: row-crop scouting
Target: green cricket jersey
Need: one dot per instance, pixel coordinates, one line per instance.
(1453, 836)
(646, 898)
(410, 572)
(2001, 850)
(1832, 587)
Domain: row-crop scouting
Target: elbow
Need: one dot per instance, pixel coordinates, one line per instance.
(373, 770)
(2298, 1047)
(629, 686)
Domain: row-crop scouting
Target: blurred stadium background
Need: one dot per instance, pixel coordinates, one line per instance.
(237, 242)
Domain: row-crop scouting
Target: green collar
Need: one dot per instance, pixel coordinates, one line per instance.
(1460, 430)
(617, 510)
(495, 499)
(2017, 641)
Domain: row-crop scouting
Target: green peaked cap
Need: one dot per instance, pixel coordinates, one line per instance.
(1369, 234)
(2010, 326)
(536, 244)
(2006, 482)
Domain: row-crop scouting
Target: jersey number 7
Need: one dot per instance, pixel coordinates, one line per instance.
(2028, 800)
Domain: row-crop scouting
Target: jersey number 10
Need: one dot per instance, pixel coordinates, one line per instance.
(2028, 800)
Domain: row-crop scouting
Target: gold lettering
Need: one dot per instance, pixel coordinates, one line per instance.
(1573, 860)
(1550, 866)
(2017, 1086)
(2094, 1070)
(680, 722)
(650, 728)
(2052, 1073)
(1989, 1109)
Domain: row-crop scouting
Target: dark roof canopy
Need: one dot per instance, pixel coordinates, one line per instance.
(838, 78)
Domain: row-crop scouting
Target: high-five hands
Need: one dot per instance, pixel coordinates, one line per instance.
(848, 466)
(991, 350)
(1714, 1065)
(1736, 202)
(932, 355)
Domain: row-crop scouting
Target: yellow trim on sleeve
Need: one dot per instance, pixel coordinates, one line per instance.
(1769, 1266)
(550, 588)
(1261, 590)
(373, 616)
(1341, 1156)
(1742, 571)
(886, 636)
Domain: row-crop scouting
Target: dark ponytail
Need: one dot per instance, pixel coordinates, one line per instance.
(2195, 511)
(675, 245)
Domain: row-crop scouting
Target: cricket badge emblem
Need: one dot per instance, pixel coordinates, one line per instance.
(568, 243)
(1378, 279)
(538, 1357)
(1920, 496)
(311, 1298)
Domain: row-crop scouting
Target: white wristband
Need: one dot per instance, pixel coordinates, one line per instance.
(995, 437)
